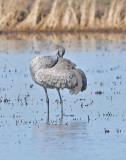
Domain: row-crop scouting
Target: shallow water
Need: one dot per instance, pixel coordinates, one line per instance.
(93, 125)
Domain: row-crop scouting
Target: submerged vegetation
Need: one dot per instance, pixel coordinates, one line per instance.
(40, 15)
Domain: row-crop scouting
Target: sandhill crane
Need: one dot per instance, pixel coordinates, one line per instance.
(57, 72)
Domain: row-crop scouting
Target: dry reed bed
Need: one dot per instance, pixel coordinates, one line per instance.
(38, 15)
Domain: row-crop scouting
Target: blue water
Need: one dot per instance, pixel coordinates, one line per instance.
(27, 133)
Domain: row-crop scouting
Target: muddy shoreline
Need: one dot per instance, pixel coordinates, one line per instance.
(106, 31)
(62, 36)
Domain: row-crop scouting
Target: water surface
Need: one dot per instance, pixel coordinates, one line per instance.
(93, 125)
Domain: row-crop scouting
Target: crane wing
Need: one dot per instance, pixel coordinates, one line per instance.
(62, 75)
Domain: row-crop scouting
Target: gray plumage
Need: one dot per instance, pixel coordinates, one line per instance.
(57, 72)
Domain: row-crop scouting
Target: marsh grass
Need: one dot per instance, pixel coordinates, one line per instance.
(39, 15)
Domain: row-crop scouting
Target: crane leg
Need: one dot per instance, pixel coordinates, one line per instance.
(61, 101)
(47, 100)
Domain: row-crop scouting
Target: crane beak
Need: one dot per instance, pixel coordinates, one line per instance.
(61, 54)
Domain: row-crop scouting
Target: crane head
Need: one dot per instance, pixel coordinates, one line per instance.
(60, 50)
